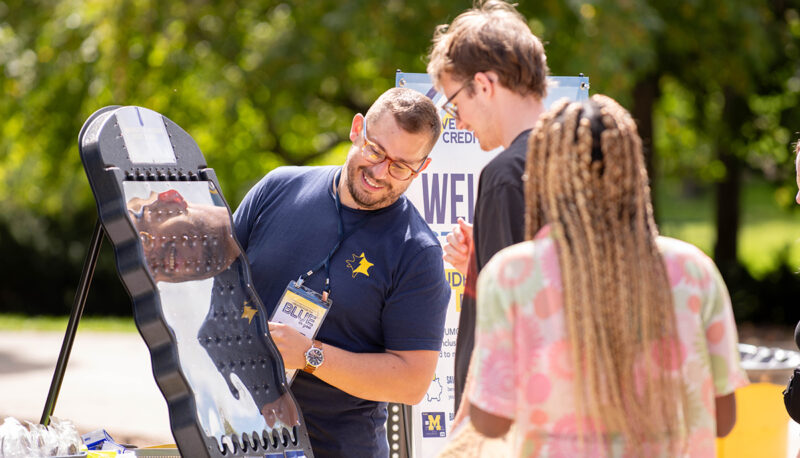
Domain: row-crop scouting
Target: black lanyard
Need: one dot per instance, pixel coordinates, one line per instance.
(342, 237)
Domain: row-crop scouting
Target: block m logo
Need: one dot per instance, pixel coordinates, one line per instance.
(433, 424)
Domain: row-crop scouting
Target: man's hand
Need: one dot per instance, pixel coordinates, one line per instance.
(458, 246)
(291, 344)
(390, 376)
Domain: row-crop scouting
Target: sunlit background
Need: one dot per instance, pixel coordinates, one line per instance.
(713, 85)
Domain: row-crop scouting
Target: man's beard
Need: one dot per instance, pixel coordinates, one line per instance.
(368, 201)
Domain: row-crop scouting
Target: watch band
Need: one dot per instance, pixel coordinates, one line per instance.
(315, 345)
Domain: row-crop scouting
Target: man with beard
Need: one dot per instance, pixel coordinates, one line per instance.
(381, 337)
(493, 71)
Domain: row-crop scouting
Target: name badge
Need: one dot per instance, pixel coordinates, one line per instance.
(302, 309)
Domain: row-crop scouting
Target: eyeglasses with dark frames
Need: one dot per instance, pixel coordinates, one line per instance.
(449, 107)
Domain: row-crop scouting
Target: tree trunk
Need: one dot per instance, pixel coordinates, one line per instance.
(728, 191)
(645, 94)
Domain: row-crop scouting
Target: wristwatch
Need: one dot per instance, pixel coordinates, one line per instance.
(314, 357)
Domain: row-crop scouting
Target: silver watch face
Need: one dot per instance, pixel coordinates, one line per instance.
(314, 356)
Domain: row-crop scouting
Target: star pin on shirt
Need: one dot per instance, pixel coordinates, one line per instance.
(359, 264)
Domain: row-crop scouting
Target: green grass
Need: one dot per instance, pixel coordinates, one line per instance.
(769, 234)
(15, 322)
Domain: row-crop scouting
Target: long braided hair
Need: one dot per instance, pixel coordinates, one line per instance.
(586, 178)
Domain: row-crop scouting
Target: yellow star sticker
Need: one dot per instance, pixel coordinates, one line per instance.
(364, 266)
(249, 313)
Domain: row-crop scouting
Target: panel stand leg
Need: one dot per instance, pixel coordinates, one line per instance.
(75, 316)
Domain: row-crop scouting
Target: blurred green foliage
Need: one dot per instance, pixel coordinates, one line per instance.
(260, 84)
(769, 239)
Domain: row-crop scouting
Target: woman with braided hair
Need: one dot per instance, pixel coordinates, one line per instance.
(597, 337)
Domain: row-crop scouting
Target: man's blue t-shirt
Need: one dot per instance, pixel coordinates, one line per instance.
(388, 289)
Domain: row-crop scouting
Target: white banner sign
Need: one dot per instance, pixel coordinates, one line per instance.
(444, 192)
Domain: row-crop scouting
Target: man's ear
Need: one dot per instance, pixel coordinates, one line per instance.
(424, 166)
(356, 127)
(486, 82)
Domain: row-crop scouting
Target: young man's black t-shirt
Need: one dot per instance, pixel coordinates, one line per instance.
(499, 222)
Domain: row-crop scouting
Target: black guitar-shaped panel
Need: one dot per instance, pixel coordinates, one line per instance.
(206, 329)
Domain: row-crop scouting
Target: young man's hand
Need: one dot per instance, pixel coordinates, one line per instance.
(458, 246)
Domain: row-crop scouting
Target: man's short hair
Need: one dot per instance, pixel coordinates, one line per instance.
(494, 36)
(413, 112)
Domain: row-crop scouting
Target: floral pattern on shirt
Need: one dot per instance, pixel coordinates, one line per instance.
(522, 369)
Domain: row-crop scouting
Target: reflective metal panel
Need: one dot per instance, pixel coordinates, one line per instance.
(206, 329)
(187, 241)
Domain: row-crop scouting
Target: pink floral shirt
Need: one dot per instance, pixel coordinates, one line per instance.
(521, 336)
